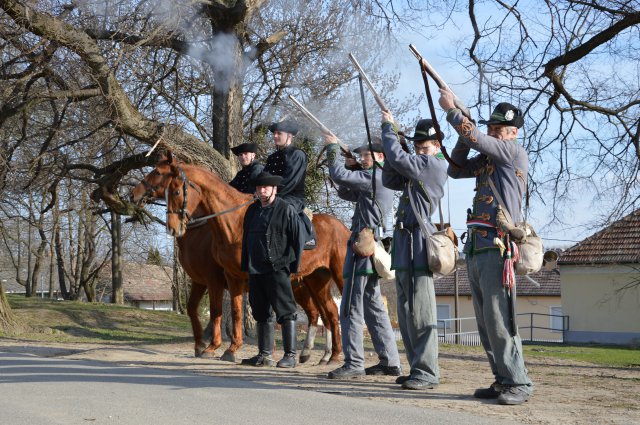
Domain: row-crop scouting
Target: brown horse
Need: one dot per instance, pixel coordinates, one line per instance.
(196, 251)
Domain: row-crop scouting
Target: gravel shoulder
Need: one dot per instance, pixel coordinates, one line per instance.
(566, 392)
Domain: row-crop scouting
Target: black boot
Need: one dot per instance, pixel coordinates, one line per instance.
(289, 344)
(265, 346)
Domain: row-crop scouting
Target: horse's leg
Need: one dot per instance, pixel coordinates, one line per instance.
(336, 266)
(303, 298)
(235, 292)
(216, 292)
(319, 285)
(197, 292)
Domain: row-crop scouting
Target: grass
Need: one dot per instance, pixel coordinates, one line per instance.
(610, 356)
(73, 321)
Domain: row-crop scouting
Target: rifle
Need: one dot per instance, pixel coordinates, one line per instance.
(376, 96)
(366, 80)
(426, 67)
(346, 152)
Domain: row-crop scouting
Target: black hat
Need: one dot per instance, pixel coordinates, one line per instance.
(376, 147)
(287, 125)
(425, 131)
(265, 178)
(245, 147)
(505, 114)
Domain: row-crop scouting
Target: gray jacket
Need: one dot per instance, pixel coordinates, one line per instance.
(357, 186)
(505, 162)
(428, 176)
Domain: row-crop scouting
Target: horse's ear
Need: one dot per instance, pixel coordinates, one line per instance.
(172, 160)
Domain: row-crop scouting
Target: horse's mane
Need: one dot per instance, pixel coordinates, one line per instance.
(210, 180)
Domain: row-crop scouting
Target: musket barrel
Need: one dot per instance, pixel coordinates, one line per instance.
(364, 76)
(438, 80)
(317, 122)
(430, 70)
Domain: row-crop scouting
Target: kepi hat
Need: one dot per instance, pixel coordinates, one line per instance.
(425, 131)
(376, 145)
(505, 114)
(265, 178)
(286, 125)
(244, 147)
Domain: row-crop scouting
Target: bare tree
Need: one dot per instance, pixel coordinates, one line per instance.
(89, 85)
(572, 66)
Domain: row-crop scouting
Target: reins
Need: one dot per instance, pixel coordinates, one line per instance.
(207, 217)
(183, 210)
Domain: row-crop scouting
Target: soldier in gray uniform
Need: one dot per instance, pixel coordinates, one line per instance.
(421, 177)
(361, 298)
(501, 159)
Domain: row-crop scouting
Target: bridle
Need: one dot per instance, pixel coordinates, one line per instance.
(151, 189)
(182, 213)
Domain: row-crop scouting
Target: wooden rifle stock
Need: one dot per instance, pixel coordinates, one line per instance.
(426, 66)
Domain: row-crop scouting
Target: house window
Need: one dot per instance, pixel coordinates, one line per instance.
(444, 312)
(556, 322)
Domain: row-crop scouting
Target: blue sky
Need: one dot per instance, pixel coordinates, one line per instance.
(459, 193)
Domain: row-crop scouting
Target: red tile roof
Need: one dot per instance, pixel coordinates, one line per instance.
(549, 284)
(618, 243)
(142, 282)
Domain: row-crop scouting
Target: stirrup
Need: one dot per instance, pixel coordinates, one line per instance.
(310, 244)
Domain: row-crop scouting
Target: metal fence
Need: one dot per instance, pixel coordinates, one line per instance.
(528, 334)
(451, 331)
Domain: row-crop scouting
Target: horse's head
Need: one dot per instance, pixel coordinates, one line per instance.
(182, 196)
(153, 185)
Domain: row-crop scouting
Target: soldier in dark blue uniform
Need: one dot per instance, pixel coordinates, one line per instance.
(271, 251)
(246, 153)
(290, 163)
(421, 178)
(505, 162)
(361, 299)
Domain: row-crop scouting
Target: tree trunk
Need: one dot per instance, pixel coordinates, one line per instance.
(39, 257)
(51, 273)
(88, 256)
(117, 295)
(249, 324)
(174, 285)
(57, 243)
(29, 284)
(7, 320)
(227, 115)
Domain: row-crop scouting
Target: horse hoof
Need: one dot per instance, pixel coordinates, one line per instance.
(198, 351)
(208, 354)
(228, 356)
(305, 358)
(333, 361)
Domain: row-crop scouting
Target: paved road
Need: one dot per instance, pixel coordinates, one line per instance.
(43, 391)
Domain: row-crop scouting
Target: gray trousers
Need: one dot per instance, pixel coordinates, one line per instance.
(366, 307)
(419, 328)
(491, 306)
